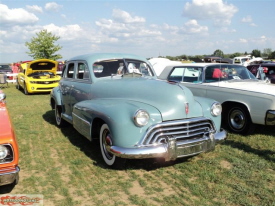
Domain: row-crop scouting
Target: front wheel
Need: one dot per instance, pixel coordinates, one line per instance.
(58, 119)
(238, 120)
(17, 85)
(110, 159)
(25, 89)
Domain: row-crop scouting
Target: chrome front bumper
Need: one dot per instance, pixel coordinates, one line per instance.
(270, 118)
(9, 176)
(172, 149)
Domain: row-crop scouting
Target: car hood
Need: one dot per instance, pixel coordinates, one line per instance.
(172, 100)
(254, 86)
(41, 65)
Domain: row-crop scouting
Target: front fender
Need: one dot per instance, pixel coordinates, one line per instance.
(206, 109)
(118, 114)
(55, 97)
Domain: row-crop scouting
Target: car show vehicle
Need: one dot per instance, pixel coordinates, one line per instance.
(245, 100)
(263, 71)
(9, 151)
(117, 99)
(38, 76)
(5, 68)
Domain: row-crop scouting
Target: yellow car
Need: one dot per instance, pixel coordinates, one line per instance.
(38, 76)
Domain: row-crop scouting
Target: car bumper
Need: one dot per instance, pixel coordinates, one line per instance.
(172, 149)
(270, 117)
(8, 176)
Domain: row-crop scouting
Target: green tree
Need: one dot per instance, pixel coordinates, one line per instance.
(42, 46)
(218, 53)
(266, 52)
(236, 54)
(271, 55)
(256, 53)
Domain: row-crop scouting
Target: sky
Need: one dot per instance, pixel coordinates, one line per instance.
(146, 28)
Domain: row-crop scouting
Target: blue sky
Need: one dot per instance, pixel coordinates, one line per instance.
(146, 28)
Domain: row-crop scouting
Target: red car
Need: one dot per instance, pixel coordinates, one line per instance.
(9, 152)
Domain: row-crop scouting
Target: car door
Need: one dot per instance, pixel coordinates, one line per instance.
(66, 84)
(81, 86)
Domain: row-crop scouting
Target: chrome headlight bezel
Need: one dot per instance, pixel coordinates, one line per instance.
(3, 152)
(141, 118)
(216, 109)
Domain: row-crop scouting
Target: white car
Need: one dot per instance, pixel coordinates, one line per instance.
(245, 100)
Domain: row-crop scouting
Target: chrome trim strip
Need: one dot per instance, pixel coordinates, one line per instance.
(270, 117)
(83, 120)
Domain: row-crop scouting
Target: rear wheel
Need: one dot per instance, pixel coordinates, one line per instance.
(237, 119)
(110, 159)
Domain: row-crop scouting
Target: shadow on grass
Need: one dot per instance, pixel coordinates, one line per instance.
(266, 154)
(265, 130)
(92, 149)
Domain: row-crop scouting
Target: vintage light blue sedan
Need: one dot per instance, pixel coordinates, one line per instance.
(117, 99)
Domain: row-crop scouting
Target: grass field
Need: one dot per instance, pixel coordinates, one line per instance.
(68, 170)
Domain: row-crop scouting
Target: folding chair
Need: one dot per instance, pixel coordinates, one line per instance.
(3, 80)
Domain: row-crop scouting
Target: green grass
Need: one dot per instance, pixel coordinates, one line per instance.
(68, 169)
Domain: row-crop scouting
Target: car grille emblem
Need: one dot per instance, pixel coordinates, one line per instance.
(186, 108)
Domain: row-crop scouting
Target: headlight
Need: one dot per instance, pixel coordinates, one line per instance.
(3, 152)
(216, 109)
(141, 118)
(2, 96)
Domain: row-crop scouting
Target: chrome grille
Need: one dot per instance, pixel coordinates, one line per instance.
(188, 129)
(46, 82)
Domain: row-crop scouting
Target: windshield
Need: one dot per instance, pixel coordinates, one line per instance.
(121, 67)
(227, 72)
(213, 73)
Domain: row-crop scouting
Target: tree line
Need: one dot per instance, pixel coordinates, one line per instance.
(266, 54)
(43, 46)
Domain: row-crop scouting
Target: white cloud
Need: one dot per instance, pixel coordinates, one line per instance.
(67, 33)
(243, 40)
(34, 8)
(125, 17)
(192, 27)
(52, 6)
(124, 26)
(216, 10)
(247, 19)
(10, 17)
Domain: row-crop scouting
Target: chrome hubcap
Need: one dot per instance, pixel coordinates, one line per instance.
(237, 119)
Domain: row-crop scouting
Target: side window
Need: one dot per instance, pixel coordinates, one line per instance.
(82, 71)
(176, 75)
(70, 71)
(98, 70)
(192, 74)
(212, 74)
